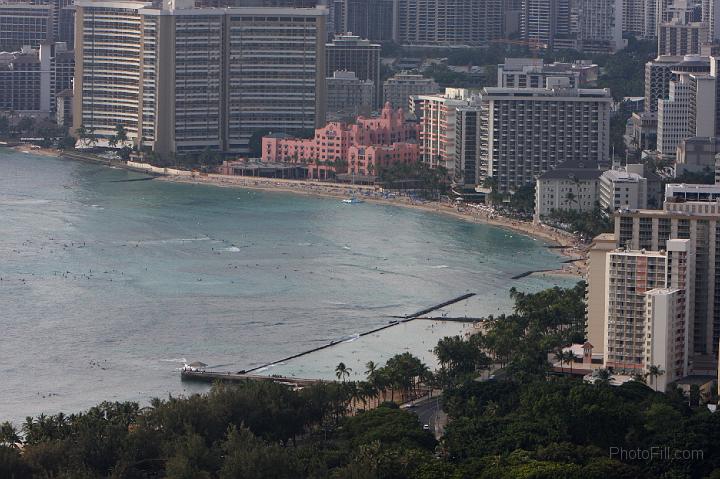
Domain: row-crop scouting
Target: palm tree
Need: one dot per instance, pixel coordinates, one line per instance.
(342, 371)
(9, 435)
(560, 357)
(603, 376)
(570, 198)
(371, 368)
(368, 391)
(120, 134)
(654, 371)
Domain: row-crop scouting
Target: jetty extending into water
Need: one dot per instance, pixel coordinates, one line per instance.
(211, 377)
(246, 374)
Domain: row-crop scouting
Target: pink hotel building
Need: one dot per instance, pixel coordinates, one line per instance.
(359, 149)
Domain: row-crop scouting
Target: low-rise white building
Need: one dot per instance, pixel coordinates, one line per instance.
(534, 73)
(570, 187)
(682, 193)
(619, 189)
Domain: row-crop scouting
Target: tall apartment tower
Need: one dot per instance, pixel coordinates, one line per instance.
(683, 31)
(600, 25)
(633, 17)
(467, 145)
(655, 13)
(526, 132)
(689, 110)
(648, 300)
(182, 79)
(24, 24)
(448, 22)
(437, 116)
(699, 222)
(351, 53)
(538, 21)
(658, 74)
(371, 19)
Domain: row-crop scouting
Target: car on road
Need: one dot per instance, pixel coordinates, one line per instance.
(426, 427)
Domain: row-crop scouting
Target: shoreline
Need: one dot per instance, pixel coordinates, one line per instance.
(567, 245)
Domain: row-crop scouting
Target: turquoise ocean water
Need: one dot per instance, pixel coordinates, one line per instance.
(107, 283)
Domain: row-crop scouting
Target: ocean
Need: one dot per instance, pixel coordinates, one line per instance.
(108, 283)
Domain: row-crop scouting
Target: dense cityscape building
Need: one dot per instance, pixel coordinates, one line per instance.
(348, 97)
(398, 89)
(186, 79)
(371, 19)
(351, 53)
(599, 25)
(24, 24)
(31, 22)
(448, 22)
(31, 79)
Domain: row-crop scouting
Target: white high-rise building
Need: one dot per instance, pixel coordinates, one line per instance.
(181, 79)
(526, 132)
(689, 110)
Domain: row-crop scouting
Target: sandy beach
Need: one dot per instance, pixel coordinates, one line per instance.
(568, 244)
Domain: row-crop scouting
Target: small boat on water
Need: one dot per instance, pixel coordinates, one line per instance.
(352, 201)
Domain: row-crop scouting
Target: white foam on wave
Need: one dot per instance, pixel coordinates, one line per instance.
(440, 266)
(173, 240)
(232, 249)
(174, 360)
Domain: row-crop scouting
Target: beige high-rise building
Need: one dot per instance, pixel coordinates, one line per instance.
(182, 79)
(648, 303)
(437, 117)
(700, 222)
(596, 283)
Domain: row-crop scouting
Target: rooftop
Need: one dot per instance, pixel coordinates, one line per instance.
(621, 176)
(561, 173)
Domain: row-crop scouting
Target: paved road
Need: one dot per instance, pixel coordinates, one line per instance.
(429, 411)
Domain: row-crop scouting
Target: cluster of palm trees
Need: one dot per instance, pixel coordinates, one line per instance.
(88, 136)
(402, 378)
(565, 357)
